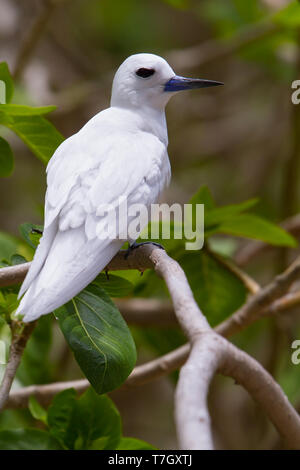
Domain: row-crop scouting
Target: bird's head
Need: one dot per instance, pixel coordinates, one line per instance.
(148, 80)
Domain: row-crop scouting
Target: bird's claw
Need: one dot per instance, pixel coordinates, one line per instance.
(36, 230)
(137, 245)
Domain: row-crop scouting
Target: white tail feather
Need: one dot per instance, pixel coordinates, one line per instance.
(71, 265)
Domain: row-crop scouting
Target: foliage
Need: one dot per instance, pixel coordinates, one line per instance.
(99, 337)
(28, 123)
(91, 422)
(91, 324)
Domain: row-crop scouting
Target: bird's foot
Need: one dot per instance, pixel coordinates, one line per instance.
(36, 230)
(106, 274)
(137, 245)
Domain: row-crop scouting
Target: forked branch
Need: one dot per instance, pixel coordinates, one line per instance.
(207, 353)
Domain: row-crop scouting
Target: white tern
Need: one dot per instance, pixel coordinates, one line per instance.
(122, 151)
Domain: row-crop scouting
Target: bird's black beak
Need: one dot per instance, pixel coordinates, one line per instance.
(181, 83)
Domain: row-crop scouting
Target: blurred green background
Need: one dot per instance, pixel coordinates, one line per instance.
(241, 140)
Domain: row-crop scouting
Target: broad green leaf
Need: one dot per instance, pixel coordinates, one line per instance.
(99, 337)
(37, 411)
(129, 443)
(96, 419)
(6, 159)
(8, 302)
(6, 77)
(217, 290)
(17, 259)
(221, 214)
(203, 196)
(36, 132)
(23, 110)
(10, 245)
(115, 286)
(252, 226)
(289, 16)
(30, 233)
(60, 415)
(28, 439)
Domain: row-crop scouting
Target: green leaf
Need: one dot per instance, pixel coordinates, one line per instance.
(6, 77)
(22, 110)
(115, 286)
(10, 245)
(96, 419)
(30, 233)
(36, 132)
(217, 290)
(129, 443)
(252, 226)
(60, 415)
(99, 337)
(37, 411)
(28, 439)
(289, 16)
(6, 159)
(221, 214)
(203, 196)
(180, 4)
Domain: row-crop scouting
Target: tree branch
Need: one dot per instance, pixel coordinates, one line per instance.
(33, 36)
(209, 353)
(137, 260)
(18, 343)
(257, 305)
(211, 50)
(147, 312)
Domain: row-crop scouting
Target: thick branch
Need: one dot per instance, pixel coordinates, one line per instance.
(268, 394)
(147, 312)
(209, 353)
(137, 260)
(140, 375)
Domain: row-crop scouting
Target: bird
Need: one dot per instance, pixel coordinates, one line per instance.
(120, 152)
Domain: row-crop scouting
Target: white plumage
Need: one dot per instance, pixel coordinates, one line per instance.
(121, 151)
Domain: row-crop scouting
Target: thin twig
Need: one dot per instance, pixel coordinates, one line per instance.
(258, 303)
(211, 50)
(18, 343)
(254, 248)
(210, 352)
(34, 35)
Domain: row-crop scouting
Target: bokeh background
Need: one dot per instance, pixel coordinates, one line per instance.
(241, 140)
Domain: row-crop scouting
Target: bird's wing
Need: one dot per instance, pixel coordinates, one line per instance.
(72, 251)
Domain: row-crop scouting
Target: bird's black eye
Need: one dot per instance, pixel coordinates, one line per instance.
(145, 73)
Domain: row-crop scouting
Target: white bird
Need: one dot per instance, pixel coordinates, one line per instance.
(122, 151)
